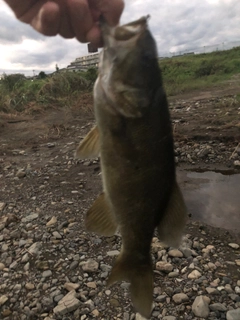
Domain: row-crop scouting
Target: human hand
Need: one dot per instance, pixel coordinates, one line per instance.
(69, 18)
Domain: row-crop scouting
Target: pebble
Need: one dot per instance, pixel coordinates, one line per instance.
(71, 286)
(30, 218)
(164, 266)
(2, 205)
(113, 253)
(35, 248)
(47, 274)
(200, 307)
(51, 222)
(217, 307)
(29, 286)
(195, 274)
(67, 304)
(90, 265)
(234, 245)
(237, 261)
(180, 298)
(175, 253)
(3, 299)
(233, 314)
(46, 252)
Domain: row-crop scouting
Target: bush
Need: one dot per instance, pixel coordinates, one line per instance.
(8, 82)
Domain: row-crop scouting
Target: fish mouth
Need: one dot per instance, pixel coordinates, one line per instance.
(124, 33)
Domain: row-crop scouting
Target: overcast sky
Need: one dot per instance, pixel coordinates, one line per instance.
(176, 24)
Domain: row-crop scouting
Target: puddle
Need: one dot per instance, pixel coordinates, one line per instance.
(213, 198)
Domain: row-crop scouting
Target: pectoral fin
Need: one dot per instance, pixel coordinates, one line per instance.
(90, 146)
(171, 226)
(99, 218)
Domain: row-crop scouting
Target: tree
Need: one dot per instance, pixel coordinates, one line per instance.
(42, 75)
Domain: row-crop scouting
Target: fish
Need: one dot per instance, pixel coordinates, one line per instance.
(133, 137)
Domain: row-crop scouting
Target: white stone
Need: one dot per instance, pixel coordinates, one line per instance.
(195, 274)
(200, 307)
(67, 304)
(234, 245)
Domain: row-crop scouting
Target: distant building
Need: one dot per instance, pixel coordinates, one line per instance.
(84, 63)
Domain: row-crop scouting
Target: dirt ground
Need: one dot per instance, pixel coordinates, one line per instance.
(43, 146)
(32, 141)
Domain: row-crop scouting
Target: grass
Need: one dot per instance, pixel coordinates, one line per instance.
(192, 72)
(180, 74)
(18, 94)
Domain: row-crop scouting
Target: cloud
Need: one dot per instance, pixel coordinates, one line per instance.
(13, 31)
(176, 25)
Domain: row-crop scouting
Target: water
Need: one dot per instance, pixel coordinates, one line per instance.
(213, 198)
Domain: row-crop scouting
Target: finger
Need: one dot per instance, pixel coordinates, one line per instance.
(94, 36)
(81, 18)
(25, 10)
(47, 19)
(65, 28)
(111, 10)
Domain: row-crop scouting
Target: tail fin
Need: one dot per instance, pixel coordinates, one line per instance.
(171, 226)
(140, 276)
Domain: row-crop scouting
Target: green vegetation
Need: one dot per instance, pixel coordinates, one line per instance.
(18, 93)
(192, 72)
(180, 74)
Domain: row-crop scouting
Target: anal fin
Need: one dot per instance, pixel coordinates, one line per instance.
(100, 219)
(89, 147)
(171, 226)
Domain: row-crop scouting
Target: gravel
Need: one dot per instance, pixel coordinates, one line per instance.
(51, 268)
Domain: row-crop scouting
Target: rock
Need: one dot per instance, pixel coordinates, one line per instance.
(200, 307)
(51, 222)
(20, 173)
(47, 274)
(95, 313)
(175, 253)
(57, 235)
(29, 286)
(2, 266)
(217, 307)
(237, 262)
(195, 274)
(237, 290)
(164, 266)
(233, 314)
(114, 302)
(6, 313)
(71, 286)
(186, 252)
(3, 299)
(90, 266)
(236, 163)
(139, 317)
(67, 304)
(91, 284)
(169, 318)
(30, 218)
(2, 205)
(35, 248)
(234, 245)
(212, 291)
(180, 298)
(113, 253)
